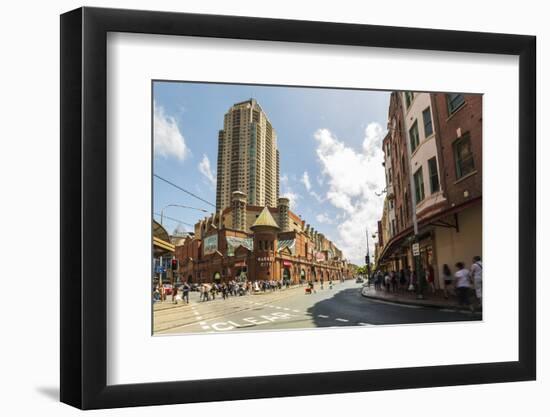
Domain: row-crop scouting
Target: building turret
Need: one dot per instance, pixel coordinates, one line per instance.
(238, 205)
(283, 204)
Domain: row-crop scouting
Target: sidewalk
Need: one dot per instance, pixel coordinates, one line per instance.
(434, 300)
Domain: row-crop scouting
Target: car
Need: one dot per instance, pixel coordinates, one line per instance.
(359, 280)
(167, 289)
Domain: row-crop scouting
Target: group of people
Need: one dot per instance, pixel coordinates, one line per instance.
(464, 280)
(233, 288)
(396, 281)
(461, 283)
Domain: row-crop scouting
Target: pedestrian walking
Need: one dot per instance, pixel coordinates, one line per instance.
(387, 281)
(447, 280)
(463, 285)
(430, 277)
(156, 294)
(185, 292)
(476, 272)
(174, 294)
(402, 281)
(393, 276)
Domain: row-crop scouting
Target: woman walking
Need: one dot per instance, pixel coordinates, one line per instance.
(463, 285)
(447, 280)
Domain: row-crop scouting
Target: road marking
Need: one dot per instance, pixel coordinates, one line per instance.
(296, 311)
(322, 316)
(247, 322)
(286, 308)
(363, 324)
(342, 320)
(196, 313)
(278, 307)
(199, 318)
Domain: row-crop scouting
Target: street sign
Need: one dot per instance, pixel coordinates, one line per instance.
(416, 249)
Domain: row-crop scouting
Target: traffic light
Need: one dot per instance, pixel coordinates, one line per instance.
(174, 264)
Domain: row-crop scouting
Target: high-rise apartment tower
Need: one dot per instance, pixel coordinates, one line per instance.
(248, 158)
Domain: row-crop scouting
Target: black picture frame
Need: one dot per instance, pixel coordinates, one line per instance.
(84, 207)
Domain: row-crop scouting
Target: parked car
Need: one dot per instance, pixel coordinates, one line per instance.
(359, 280)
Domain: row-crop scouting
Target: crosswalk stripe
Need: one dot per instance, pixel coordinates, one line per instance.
(342, 320)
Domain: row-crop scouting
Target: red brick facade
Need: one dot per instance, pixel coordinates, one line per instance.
(465, 122)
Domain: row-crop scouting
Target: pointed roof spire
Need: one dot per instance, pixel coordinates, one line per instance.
(265, 219)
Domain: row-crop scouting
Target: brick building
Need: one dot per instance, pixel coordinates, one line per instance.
(438, 137)
(246, 242)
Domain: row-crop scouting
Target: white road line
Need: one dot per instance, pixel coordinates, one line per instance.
(363, 324)
(278, 307)
(296, 311)
(286, 308)
(342, 320)
(322, 316)
(203, 323)
(199, 318)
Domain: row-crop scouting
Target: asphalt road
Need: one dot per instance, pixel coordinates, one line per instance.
(293, 309)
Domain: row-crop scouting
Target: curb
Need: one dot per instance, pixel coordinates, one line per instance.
(420, 304)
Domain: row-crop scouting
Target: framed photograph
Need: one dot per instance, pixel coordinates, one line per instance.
(260, 208)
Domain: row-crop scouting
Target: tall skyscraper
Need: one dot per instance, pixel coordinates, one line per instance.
(248, 158)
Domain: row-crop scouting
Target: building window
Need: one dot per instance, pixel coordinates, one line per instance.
(464, 159)
(408, 98)
(434, 176)
(427, 117)
(454, 102)
(413, 135)
(419, 185)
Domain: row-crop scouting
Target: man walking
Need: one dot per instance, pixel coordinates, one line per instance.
(476, 271)
(462, 278)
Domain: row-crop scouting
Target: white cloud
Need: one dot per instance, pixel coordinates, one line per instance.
(288, 192)
(305, 181)
(206, 170)
(324, 218)
(353, 177)
(316, 196)
(167, 138)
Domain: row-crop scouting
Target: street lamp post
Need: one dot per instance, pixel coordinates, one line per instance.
(367, 259)
(178, 205)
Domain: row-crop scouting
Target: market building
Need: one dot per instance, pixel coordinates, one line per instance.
(247, 242)
(433, 162)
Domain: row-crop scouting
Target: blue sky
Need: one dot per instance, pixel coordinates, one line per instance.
(330, 153)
